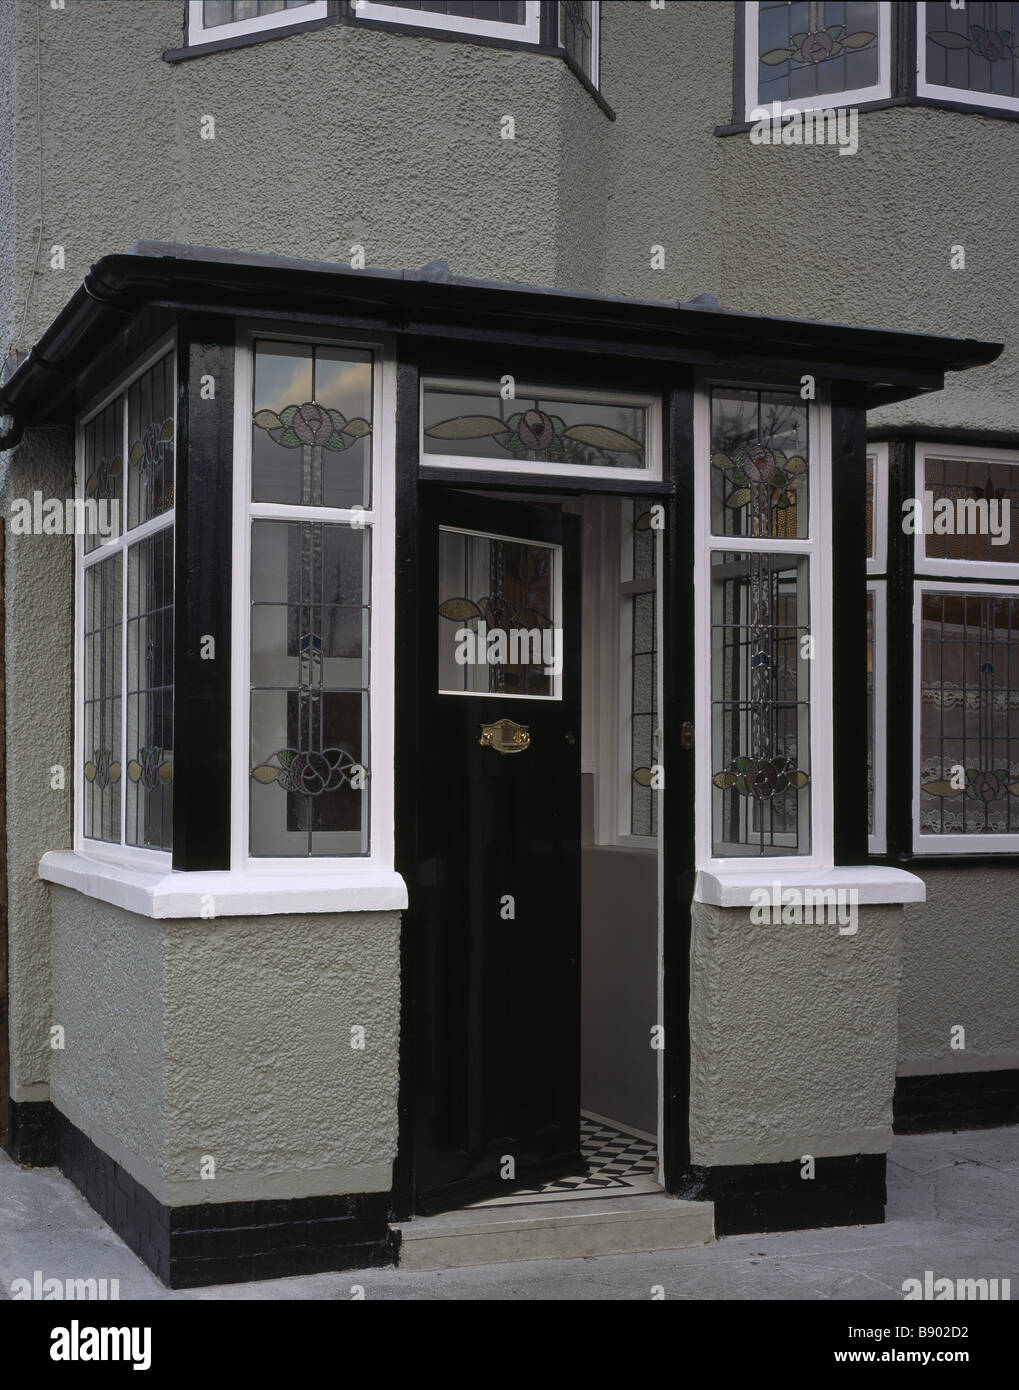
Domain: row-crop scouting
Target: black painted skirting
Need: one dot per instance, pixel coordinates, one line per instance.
(956, 1100)
(32, 1133)
(758, 1197)
(208, 1243)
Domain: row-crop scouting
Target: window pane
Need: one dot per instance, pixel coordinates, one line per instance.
(974, 48)
(149, 789)
(103, 466)
(150, 453)
(312, 425)
(475, 422)
(760, 453)
(870, 712)
(502, 11)
(808, 50)
(497, 616)
(576, 32)
(969, 714)
(216, 12)
(760, 705)
(102, 634)
(309, 683)
(976, 523)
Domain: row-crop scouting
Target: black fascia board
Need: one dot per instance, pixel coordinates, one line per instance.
(432, 303)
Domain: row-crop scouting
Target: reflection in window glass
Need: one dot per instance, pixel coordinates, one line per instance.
(975, 48)
(760, 704)
(149, 789)
(103, 466)
(983, 496)
(150, 443)
(810, 49)
(102, 634)
(500, 11)
(216, 12)
(760, 452)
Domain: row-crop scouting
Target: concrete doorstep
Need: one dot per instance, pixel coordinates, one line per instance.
(953, 1210)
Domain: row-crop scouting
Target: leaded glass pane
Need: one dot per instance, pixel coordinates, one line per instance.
(312, 425)
(149, 788)
(500, 11)
(969, 511)
(969, 714)
(870, 712)
(309, 688)
(497, 625)
(101, 752)
(150, 451)
(475, 422)
(975, 48)
(103, 466)
(576, 32)
(760, 455)
(811, 49)
(871, 464)
(760, 704)
(217, 12)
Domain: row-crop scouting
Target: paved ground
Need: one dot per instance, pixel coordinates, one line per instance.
(953, 1209)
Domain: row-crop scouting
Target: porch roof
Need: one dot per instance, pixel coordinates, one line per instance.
(432, 303)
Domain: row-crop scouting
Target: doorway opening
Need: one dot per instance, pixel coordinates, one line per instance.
(537, 1054)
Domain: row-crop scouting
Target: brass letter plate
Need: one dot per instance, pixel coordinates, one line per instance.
(505, 736)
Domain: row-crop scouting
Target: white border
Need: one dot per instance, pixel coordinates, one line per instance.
(106, 850)
(876, 840)
(964, 95)
(651, 472)
(199, 33)
(877, 563)
(528, 32)
(380, 519)
(826, 100)
(817, 549)
(960, 569)
(949, 843)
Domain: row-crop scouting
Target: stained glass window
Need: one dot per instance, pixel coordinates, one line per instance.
(760, 452)
(126, 731)
(567, 432)
(871, 675)
(969, 713)
(578, 21)
(760, 611)
(976, 526)
(498, 616)
(312, 425)
(640, 625)
(217, 12)
(497, 11)
(973, 49)
(102, 751)
(810, 49)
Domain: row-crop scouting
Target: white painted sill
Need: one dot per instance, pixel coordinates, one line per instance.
(870, 883)
(160, 894)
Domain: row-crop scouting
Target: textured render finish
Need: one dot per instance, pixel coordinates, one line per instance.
(40, 675)
(8, 76)
(230, 1038)
(962, 967)
(793, 1036)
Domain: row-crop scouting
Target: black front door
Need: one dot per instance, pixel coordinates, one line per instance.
(498, 886)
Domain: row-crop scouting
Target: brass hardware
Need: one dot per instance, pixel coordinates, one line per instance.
(686, 735)
(505, 736)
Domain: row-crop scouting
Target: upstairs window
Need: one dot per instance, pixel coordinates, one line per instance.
(812, 55)
(496, 19)
(209, 20)
(969, 55)
(578, 34)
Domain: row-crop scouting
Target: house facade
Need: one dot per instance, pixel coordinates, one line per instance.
(471, 661)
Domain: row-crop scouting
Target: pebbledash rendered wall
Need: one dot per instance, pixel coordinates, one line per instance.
(392, 141)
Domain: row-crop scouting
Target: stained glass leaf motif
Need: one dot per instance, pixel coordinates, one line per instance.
(101, 481)
(103, 770)
(467, 427)
(818, 46)
(602, 438)
(459, 610)
(763, 779)
(981, 786)
(992, 45)
(642, 776)
(309, 773)
(755, 469)
(533, 432)
(152, 768)
(313, 425)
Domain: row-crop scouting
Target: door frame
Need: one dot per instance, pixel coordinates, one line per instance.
(676, 864)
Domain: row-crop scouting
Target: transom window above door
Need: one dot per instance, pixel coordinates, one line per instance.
(508, 427)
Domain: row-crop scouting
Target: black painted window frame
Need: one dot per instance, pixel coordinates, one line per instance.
(904, 38)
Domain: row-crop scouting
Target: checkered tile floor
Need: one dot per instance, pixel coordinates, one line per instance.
(619, 1165)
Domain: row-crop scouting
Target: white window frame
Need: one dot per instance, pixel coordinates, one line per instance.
(755, 110)
(951, 843)
(137, 856)
(380, 519)
(961, 569)
(199, 33)
(964, 95)
(528, 32)
(877, 563)
(651, 472)
(877, 838)
(817, 549)
(594, 75)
